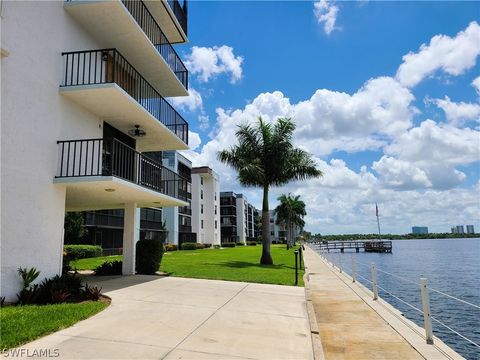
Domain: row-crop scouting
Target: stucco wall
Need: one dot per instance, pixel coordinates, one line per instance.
(33, 117)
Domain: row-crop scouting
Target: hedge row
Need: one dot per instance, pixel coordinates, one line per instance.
(74, 252)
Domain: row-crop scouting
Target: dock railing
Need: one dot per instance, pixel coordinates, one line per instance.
(336, 261)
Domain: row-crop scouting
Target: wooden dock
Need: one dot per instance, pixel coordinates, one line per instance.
(380, 246)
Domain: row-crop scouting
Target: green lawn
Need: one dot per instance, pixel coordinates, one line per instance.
(92, 263)
(21, 324)
(236, 264)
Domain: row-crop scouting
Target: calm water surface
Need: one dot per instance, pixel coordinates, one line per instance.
(450, 265)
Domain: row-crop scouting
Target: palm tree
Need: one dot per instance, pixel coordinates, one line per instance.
(264, 157)
(290, 212)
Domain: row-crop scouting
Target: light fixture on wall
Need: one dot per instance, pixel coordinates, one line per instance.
(137, 132)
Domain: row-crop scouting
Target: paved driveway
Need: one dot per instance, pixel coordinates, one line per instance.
(176, 318)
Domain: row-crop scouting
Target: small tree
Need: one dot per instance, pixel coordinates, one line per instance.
(264, 157)
(290, 211)
(74, 227)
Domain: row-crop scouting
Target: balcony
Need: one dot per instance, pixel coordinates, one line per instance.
(106, 84)
(171, 15)
(107, 174)
(129, 26)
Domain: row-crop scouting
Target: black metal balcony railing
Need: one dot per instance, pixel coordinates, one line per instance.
(97, 218)
(103, 66)
(146, 21)
(152, 30)
(110, 157)
(180, 12)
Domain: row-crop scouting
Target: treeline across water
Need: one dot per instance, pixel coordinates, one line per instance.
(392, 236)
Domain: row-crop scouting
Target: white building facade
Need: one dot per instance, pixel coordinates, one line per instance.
(178, 220)
(237, 218)
(80, 102)
(206, 205)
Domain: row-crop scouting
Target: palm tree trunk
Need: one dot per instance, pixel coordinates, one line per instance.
(266, 258)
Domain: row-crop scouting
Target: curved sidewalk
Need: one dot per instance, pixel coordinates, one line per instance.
(178, 318)
(351, 325)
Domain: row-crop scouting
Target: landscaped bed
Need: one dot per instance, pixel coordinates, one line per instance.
(236, 264)
(21, 324)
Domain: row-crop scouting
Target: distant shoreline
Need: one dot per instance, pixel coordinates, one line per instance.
(361, 237)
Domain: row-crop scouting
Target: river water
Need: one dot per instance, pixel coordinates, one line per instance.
(451, 266)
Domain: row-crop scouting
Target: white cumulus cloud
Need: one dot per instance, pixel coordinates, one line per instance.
(476, 85)
(326, 12)
(451, 55)
(209, 62)
(192, 102)
(457, 112)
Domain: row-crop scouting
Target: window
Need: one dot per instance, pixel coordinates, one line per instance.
(201, 209)
(215, 209)
(201, 224)
(215, 224)
(201, 194)
(201, 180)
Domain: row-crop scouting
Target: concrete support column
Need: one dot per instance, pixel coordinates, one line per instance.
(131, 234)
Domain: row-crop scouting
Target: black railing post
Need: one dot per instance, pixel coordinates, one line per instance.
(296, 267)
(300, 255)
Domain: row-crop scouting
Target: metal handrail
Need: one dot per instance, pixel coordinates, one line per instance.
(152, 30)
(91, 67)
(150, 27)
(180, 12)
(111, 157)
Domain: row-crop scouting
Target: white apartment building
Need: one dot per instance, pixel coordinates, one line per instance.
(178, 220)
(82, 97)
(237, 218)
(206, 205)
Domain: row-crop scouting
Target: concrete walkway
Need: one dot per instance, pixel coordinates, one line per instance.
(353, 326)
(176, 318)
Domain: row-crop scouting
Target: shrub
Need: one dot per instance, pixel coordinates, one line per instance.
(59, 288)
(29, 292)
(189, 246)
(216, 246)
(109, 268)
(207, 246)
(149, 256)
(259, 242)
(251, 243)
(171, 247)
(228, 244)
(74, 252)
(200, 246)
(92, 292)
(240, 244)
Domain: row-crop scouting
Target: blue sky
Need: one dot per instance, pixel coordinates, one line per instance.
(384, 128)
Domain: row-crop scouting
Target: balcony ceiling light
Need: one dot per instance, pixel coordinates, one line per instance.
(137, 132)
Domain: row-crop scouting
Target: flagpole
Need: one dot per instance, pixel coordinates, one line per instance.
(378, 222)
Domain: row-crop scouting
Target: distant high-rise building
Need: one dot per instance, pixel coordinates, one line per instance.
(420, 230)
(460, 229)
(454, 230)
(470, 229)
(206, 205)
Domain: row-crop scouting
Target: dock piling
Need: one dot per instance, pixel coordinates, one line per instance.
(353, 270)
(374, 281)
(340, 265)
(427, 320)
